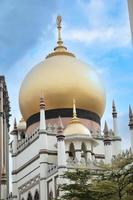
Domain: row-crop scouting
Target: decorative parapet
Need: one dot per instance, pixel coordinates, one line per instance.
(52, 169)
(27, 141)
(26, 186)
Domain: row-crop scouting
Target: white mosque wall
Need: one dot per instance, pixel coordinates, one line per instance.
(28, 172)
(116, 147)
(99, 149)
(28, 153)
(52, 142)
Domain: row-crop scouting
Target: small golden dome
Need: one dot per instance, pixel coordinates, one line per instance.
(76, 128)
(62, 77)
(22, 125)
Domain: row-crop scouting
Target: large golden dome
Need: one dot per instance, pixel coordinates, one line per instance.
(62, 77)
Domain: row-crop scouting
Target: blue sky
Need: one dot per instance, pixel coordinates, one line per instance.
(97, 31)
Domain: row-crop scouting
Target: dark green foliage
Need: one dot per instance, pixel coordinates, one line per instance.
(78, 188)
(113, 182)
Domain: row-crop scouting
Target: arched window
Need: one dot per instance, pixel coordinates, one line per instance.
(83, 151)
(36, 196)
(72, 151)
(29, 196)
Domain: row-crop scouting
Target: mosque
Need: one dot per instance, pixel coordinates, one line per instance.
(62, 101)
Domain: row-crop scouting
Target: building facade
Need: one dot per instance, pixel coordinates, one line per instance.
(62, 101)
(4, 138)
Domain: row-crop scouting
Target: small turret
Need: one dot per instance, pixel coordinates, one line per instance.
(61, 152)
(130, 118)
(116, 143)
(114, 113)
(131, 126)
(107, 138)
(42, 115)
(61, 145)
(15, 137)
(15, 129)
(107, 144)
(60, 129)
(21, 129)
(115, 123)
(43, 145)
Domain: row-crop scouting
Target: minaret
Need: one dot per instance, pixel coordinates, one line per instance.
(131, 126)
(107, 145)
(61, 146)
(42, 115)
(116, 143)
(15, 137)
(61, 154)
(43, 152)
(114, 114)
(14, 159)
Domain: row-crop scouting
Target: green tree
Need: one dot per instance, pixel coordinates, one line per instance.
(78, 187)
(109, 182)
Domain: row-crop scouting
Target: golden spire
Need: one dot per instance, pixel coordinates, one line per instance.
(74, 118)
(74, 110)
(58, 21)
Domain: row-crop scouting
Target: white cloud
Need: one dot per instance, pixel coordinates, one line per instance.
(107, 25)
(113, 36)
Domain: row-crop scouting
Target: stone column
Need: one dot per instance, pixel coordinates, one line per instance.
(77, 146)
(3, 185)
(43, 174)
(89, 152)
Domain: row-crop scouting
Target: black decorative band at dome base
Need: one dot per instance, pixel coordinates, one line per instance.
(64, 112)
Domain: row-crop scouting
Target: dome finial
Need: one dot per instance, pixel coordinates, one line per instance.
(58, 21)
(60, 49)
(74, 109)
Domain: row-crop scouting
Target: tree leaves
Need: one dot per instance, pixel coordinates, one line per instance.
(113, 182)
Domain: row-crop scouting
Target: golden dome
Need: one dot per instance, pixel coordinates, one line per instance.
(22, 125)
(62, 77)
